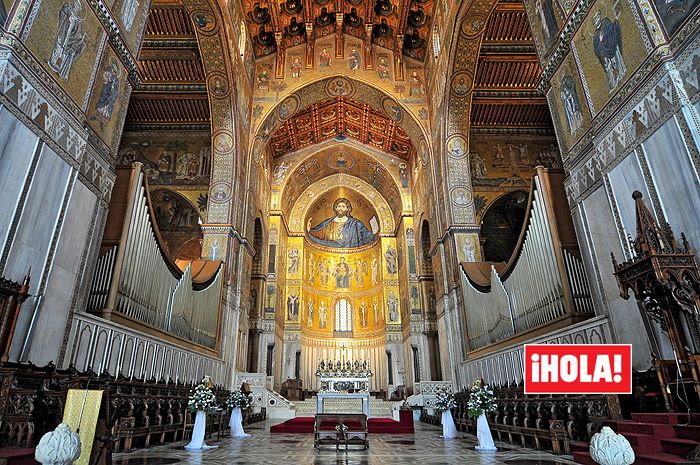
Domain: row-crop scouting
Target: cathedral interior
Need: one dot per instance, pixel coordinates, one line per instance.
(253, 191)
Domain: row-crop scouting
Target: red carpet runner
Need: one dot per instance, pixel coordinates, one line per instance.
(657, 438)
(375, 426)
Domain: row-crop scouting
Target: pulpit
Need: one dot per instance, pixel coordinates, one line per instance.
(291, 390)
(666, 281)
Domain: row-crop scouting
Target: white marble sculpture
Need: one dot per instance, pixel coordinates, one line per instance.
(449, 431)
(58, 447)
(483, 434)
(236, 424)
(608, 448)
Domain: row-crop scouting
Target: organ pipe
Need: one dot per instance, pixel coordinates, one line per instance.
(135, 279)
(543, 284)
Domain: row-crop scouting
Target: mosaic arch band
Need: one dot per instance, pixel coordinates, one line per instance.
(341, 231)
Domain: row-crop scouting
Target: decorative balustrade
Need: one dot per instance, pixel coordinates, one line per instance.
(263, 396)
(101, 345)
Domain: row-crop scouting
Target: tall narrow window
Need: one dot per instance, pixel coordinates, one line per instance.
(390, 366)
(270, 352)
(416, 364)
(343, 316)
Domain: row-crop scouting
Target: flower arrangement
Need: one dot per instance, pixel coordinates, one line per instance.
(341, 428)
(481, 400)
(444, 401)
(202, 398)
(238, 399)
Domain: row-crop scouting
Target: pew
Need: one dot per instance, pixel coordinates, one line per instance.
(540, 422)
(326, 432)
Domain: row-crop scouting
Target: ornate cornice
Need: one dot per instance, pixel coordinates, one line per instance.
(501, 131)
(171, 43)
(508, 48)
(171, 88)
(168, 127)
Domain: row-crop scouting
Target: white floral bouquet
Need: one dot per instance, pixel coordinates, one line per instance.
(444, 401)
(238, 399)
(481, 400)
(202, 398)
(341, 428)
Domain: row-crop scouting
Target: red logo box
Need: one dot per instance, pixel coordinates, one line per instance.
(578, 369)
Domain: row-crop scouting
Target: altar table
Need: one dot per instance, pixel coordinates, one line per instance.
(322, 396)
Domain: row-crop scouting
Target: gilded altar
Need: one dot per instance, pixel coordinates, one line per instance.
(348, 376)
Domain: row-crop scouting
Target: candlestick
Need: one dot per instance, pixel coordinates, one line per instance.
(82, 407)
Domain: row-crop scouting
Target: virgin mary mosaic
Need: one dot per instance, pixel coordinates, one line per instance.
(341, 231)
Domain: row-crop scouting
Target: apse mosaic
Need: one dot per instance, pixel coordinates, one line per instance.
(350, 211)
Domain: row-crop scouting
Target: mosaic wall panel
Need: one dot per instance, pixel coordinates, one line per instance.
(610, 48)
(170, 157)
(572, 118)
(109, 99)
(546, 19)
(500, 164)
(131, 16)
(65, 37)
(674, 13)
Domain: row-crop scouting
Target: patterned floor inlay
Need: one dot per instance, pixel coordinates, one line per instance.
(426, 447)
(150, 461)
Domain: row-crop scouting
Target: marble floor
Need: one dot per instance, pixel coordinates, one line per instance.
(426, 447)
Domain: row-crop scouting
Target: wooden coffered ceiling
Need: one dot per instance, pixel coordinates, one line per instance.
(173, 93)
(508, 71)
(399, 25)
(339, 117)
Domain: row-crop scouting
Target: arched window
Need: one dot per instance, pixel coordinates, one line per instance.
(343, 316)
(242, 39)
